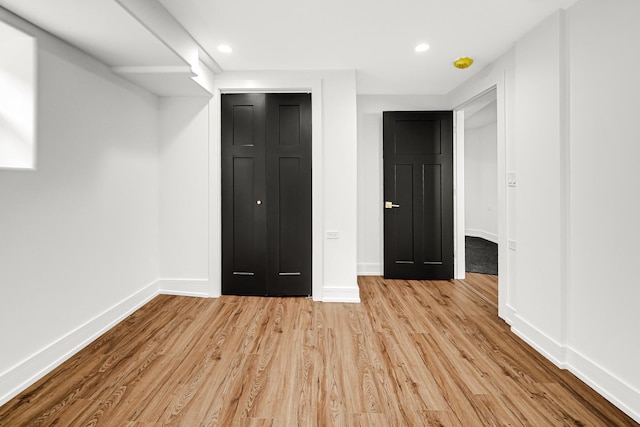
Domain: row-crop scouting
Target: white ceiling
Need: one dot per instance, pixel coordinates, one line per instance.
(374, 37)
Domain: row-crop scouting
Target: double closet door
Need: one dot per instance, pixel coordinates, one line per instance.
(266, 194)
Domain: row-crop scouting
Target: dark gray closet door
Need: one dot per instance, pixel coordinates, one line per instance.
(266, 194)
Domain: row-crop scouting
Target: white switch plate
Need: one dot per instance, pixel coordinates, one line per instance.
(511, 179)
(333, 235)
(512, 245)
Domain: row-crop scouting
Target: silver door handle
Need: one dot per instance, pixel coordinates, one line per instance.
(390, 205)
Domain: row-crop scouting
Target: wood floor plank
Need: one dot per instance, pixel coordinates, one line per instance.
(221, 400)
(413, 353)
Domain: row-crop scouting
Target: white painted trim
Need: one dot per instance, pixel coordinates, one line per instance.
(370, 269)
(37, 366)
(482, 234)
(215, 197)
(612, 388)
(510, 314)
(179, 69)
(459, 259)
(314, 86)
(504, 287)
(184, 287)
(545, 345)
(349, 294)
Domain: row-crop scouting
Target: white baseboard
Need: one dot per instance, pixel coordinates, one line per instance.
(612, 388)
(370, 269)
(482, 234)
(509, 314)
(544, 344)
(341, 294)
(605, 383)
(185, 287)
(200, 288)
(37, 366)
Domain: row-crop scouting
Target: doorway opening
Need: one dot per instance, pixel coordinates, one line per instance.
(481, 185)
(494, 91)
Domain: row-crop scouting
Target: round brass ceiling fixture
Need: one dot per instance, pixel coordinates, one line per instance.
(463, 62)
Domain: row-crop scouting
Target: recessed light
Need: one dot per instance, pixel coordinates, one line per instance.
(422, 47)
(225, 48)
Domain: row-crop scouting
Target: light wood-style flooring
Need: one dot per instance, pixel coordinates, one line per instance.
(413, 353)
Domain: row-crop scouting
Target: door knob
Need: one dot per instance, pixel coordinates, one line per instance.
(390, 205)
(258, 202)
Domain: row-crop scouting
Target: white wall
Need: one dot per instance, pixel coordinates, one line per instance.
(190, 188)
(540, 301)
(370, 174)
(184, 195)
(604, 292)
(340, 162)
(570, 112)
(79, 236)
(481, 181)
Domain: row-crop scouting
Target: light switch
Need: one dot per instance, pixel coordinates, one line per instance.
(511, 179)
(512, 245)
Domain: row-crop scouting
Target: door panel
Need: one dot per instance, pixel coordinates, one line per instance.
(432, 189)
(243, 125)
(403, 219)
(266, 194)
(243, 219)
(289, 225)
(289, 123)
(289, 183)
(417, 137)
(418, 189)
(243, 216)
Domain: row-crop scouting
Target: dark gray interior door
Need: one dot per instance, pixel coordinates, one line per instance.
(266, 194)
(418, 193)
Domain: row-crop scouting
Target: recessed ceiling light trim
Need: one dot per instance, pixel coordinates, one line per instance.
(225, 48)
(422, 47)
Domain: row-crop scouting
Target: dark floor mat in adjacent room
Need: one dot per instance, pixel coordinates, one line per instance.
(481, 256)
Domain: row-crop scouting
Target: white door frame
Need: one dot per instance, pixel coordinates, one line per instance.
(215, 169)
(459, 258)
